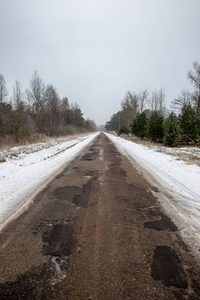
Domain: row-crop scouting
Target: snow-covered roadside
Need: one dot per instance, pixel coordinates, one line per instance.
(178, 182)
(22, 177)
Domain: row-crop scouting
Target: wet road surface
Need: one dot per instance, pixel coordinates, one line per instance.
(96, 232)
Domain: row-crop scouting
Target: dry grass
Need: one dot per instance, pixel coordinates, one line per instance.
(189, 153)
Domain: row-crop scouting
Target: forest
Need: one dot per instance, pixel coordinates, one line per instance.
(146, 116)
(38, 110)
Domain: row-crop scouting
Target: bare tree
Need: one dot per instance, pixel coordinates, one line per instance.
(22, 124)
(142, 100)
(194, 77)
(3, 89)
(36, 95)
(129, 107)
(51, 116)
(17, 99)
(158, 101)
(183, 99)
(18, 95)
(65, 107)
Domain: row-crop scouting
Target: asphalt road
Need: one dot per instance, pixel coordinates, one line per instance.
(96, 232)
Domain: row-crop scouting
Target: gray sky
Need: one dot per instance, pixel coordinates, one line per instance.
(94, 51)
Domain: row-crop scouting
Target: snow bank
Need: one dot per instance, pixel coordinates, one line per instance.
(179, 184)
(23, 176)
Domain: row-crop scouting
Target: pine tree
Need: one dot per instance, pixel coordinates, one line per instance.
(189, 123)
(171, 130)
(155, 127)
(139, 124)
(123, 130)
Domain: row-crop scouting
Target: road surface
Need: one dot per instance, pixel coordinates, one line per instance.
(96, 232)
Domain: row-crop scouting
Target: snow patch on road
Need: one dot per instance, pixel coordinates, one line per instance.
(23, 175)
(178, 182)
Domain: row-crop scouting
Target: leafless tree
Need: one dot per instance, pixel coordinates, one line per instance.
(76, 115)
(65, 107)
(18, 95)
(129, 106)
(184, 98)
(18, 114)
(194, 77)
(158, 101)
(36, 95)
(143, 100)
(51, 115)
(3, 89)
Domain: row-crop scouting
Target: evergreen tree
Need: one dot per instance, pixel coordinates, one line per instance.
(155, 127)
(189, 123)
(171, 130)
(138, 127)
(123, 129)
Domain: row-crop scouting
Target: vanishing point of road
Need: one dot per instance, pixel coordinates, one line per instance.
(96, 232)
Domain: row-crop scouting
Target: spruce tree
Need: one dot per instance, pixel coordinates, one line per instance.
(138, 127)
(171, 130)
(189, 123)
(155, 127)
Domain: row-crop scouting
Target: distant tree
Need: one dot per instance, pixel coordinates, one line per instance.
(129, 107)
(123, 130)
(76, 115)
(51, 115)
(143, 100)
(115, 122)
(90, 125)
(3, 89)
(6, 119)
(107, 126)
(65, 107)
(22, 124)
(183, 99)
(194, 77)
(36, 96)
(158, 101)
(155, 127)
(189, 123)
(171, 130)
(3, 96)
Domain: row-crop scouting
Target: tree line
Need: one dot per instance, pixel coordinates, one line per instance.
(39, 109)
(146, 116)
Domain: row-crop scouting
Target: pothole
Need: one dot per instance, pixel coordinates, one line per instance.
(59, 240)
(164, 223)
(67, 193)
(168, 268)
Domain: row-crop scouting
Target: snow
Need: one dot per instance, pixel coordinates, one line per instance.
(178, 183)
(28, 169)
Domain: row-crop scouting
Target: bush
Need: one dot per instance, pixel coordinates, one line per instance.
(123, 129)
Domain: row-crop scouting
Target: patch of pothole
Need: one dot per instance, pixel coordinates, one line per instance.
(167, 267)
(67, 193)
(162, 224)
(59, 240)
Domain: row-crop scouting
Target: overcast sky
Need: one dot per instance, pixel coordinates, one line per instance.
(94, 51)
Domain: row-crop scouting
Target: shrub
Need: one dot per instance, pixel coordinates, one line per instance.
(123, 129)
